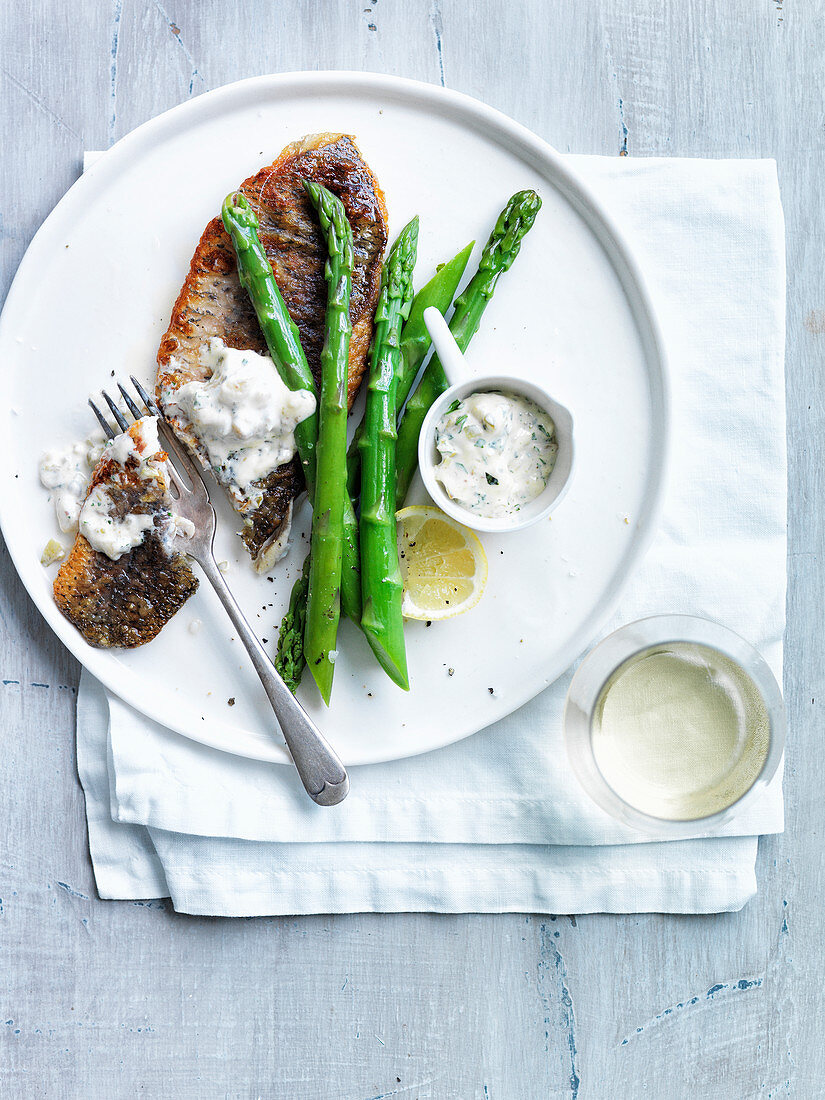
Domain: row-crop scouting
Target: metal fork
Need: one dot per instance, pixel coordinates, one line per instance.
(322, 773)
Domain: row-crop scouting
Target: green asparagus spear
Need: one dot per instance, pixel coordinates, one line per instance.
(350, 598)
(499, 252)
(289, 659)
(351, 566)
(326, 546)
(415, 343)
(280, 331)
(284, 346)
(381, 585)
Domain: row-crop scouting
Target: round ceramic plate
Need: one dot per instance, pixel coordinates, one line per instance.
(92, 299)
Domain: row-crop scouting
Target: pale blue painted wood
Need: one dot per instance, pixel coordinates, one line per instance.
(115, 1000)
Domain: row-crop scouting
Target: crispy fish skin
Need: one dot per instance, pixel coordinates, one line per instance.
(212, 301)
(125, 602)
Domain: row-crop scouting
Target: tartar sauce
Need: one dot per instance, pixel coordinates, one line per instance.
(497, 452)
(243, 414)
(99, 523)
(65, 472)
(112, 535)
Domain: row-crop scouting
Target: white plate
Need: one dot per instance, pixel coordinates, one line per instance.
(93, 297)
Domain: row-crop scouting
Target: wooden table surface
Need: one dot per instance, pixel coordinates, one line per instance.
(107, 999)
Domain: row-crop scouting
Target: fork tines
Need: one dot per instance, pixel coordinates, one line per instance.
(167, 437)
(131, 404)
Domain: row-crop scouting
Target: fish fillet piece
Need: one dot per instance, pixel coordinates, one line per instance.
(213, 302)
(126, 602)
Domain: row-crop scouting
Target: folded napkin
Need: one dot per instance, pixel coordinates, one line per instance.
(497, 822)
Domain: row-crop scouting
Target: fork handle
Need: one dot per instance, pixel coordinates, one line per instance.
(322, 773)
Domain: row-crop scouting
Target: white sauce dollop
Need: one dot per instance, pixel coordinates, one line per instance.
(497, 452)
(143, 449)
(65, 472)
(106, 532)
(244, 415)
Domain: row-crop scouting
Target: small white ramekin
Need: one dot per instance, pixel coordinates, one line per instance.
(558, 483)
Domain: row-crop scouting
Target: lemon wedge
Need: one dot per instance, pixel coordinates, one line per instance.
(443, 564)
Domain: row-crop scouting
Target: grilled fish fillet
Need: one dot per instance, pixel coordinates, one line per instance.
(213, 302)
(126, 602)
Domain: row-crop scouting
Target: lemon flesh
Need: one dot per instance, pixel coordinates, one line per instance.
(443, 564)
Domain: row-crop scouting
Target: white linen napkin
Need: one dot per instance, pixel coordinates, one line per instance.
(497, 822)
